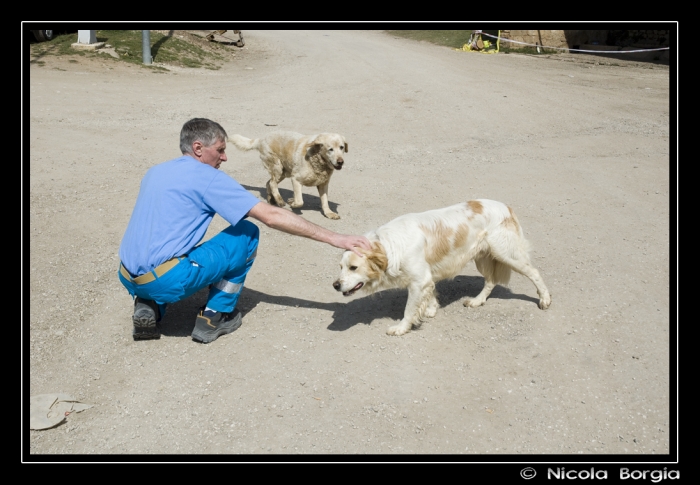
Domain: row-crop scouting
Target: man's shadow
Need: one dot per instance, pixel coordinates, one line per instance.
(180, 316)
(311, 201)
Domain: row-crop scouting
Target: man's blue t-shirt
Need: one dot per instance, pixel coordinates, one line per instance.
(175, 205)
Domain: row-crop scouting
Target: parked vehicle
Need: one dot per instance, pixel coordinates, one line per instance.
(42, 35)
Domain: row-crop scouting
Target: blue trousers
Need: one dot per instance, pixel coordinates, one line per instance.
(223, 262)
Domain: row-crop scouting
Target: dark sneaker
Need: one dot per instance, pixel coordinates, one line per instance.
(145, 319)
(210, 325)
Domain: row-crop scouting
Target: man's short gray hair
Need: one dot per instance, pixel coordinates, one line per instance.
(200, 129)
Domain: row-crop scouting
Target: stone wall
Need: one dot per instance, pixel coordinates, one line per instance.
(573, 39)
(639, 38)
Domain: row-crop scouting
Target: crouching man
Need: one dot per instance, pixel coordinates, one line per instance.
(162, 261)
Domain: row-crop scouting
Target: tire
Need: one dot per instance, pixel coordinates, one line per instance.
(43, 35)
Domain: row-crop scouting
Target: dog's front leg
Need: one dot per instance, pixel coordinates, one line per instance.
(323, 193)
(411, 315)
(297, 202)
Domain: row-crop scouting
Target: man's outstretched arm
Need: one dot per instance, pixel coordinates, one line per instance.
(286, 221)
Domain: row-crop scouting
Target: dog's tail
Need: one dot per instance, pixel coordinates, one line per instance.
(243, 143)
(493, 270)
(485, 258)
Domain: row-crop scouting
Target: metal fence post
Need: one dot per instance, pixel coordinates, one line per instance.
(146, 35)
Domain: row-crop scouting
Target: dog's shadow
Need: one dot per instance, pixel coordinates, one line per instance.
(449, 291)
(310, 201)
(180, 316)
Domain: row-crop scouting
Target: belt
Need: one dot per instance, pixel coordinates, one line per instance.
(158, 271)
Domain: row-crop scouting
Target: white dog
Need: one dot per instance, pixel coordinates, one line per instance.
(308, 160)
(416, 250)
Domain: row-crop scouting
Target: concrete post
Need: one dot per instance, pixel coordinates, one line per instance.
(87, 41)
(87, 37)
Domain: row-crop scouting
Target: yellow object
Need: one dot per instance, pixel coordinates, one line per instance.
(483, 46)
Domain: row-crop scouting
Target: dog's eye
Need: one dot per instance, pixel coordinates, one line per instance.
(353, 268)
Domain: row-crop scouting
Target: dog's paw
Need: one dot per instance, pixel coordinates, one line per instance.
(397, 330)
(431, 311)
(472, 302)
(331, 215)
(294, 205)
(545, 302)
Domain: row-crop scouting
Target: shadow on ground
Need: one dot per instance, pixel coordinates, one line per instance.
(311, 202)
(180, 317)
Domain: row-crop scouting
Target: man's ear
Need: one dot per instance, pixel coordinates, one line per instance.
(197, 147)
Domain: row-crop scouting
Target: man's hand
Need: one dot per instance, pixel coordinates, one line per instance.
(352, 243)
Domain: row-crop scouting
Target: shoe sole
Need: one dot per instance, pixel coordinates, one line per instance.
(208, 337)
(145, 328)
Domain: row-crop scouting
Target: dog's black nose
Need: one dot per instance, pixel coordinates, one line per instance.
(336, 285)
(341, 161)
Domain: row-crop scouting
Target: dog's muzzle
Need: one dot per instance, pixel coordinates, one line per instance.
(338, 287)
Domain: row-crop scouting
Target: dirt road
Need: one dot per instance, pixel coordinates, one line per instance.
(577, 145)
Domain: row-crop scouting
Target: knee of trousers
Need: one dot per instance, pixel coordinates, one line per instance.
(244, 228)
(252, 232)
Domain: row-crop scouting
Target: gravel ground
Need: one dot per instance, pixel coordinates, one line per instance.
(578, 145)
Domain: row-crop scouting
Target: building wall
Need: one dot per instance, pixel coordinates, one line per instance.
(570, 39)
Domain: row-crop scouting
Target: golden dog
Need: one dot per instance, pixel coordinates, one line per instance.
(416, 250)
(308, 160)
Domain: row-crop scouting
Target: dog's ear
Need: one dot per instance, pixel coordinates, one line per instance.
(346, 145)
(313, 148)
(317, 143)
(377, 258)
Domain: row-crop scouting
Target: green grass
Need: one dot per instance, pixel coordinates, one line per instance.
(449, 38)
(129, 44)
(58, 46)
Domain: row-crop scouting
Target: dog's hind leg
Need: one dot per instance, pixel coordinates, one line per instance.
(323, 193)
(273, 193)
(276, 176)
(492, 274)
(525, 268)
(515, 255)
(297, 201)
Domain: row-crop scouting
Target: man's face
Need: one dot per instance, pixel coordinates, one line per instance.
(212, 155)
